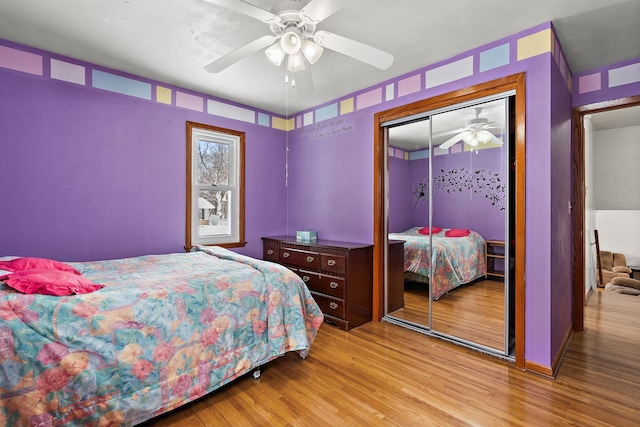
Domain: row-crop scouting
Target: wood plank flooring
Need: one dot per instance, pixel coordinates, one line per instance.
(473, 312)
(383, 375)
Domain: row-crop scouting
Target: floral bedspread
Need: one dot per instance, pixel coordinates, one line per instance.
(165, 330)
(457, 260)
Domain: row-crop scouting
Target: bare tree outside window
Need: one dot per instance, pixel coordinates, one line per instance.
(213, 169)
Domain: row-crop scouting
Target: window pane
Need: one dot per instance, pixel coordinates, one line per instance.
(213, 163)
(213, 213)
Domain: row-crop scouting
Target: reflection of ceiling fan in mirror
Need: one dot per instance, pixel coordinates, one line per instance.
(295, 40)
(474, 132)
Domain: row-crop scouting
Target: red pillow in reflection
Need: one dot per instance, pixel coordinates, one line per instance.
(456, 232)
(425, 230)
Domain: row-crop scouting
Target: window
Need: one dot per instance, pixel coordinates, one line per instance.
(215, 186)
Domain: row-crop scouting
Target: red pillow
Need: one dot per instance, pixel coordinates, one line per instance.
(30, 263)
(425, 230)
(49, 282)
(456, 232)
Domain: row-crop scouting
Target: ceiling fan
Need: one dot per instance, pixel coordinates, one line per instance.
(294, 38)
(474, 132)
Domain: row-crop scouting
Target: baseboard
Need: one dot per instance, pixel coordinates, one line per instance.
(538, 369)
(588, 297)
(552, 371)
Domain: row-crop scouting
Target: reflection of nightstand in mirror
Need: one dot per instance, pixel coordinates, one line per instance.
(494, 251)
(395, 275)
(635, 271)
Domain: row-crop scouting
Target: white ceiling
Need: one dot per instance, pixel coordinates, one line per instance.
(171, 41)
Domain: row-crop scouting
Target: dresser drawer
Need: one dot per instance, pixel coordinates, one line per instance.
(330, 305)
(334, 286)
(300, 258)
(332, 263)
(271, 254)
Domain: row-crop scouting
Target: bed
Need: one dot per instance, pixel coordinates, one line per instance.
(458, 260)
(163, 331)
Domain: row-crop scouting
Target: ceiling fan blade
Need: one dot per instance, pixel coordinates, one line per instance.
(492, 137)
(448, 132)
(247, 9)
(453, 140)
(357, 50)
(304, 80)
(235, 56)
(319, 10)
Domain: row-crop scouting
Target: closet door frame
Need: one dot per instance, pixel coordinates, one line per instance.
(515, 83)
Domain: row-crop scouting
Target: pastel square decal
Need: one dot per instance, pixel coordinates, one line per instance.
(624, 75)
(328, 112)
(308, 118)
(186, 100)
(368, 99)
(264, 119)
(120, 84)
(589, 83)
(19, 60)
(164, 95)
(494, 57)
(72, 73)
(229, 111)
(389, 92)
(346, 106)
(282, 124)
(409, 85)
(535, 44)
(450, 72)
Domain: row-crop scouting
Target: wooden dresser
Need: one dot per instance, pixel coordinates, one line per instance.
(338, 274)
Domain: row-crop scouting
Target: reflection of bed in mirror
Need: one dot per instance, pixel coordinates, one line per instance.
(458, 260)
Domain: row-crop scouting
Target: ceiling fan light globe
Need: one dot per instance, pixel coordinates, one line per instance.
(311, 51)
(484, 136)
(275, 54)
(471, 138)
(295, 62)
(291, 41)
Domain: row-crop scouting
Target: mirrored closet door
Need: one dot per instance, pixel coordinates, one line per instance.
(449, 203)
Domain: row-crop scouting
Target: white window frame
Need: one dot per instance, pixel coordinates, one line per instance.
(235, 140)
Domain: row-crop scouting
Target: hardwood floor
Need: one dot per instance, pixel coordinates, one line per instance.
(382, 374)
(473, 312)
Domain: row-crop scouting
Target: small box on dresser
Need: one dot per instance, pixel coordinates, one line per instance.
(338, 274)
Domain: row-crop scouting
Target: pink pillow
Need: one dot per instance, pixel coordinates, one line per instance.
(457, 232)
(30, 263)
(425, 230)
(49, 282)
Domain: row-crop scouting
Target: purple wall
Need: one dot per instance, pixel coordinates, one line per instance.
(401, 203)
(459, 209)
(89, 174)
(331, 182)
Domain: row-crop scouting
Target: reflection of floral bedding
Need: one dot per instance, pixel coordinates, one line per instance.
(458, 260)
(165, 330)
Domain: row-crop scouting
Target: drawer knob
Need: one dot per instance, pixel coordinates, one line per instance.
(309, 259)
(285, 255)
(306, 278)
(333, 285)
(331, 262)
(333, 305)
(270, 252)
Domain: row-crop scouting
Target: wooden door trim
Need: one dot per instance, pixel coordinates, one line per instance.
(578, 179)
(514, 82)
